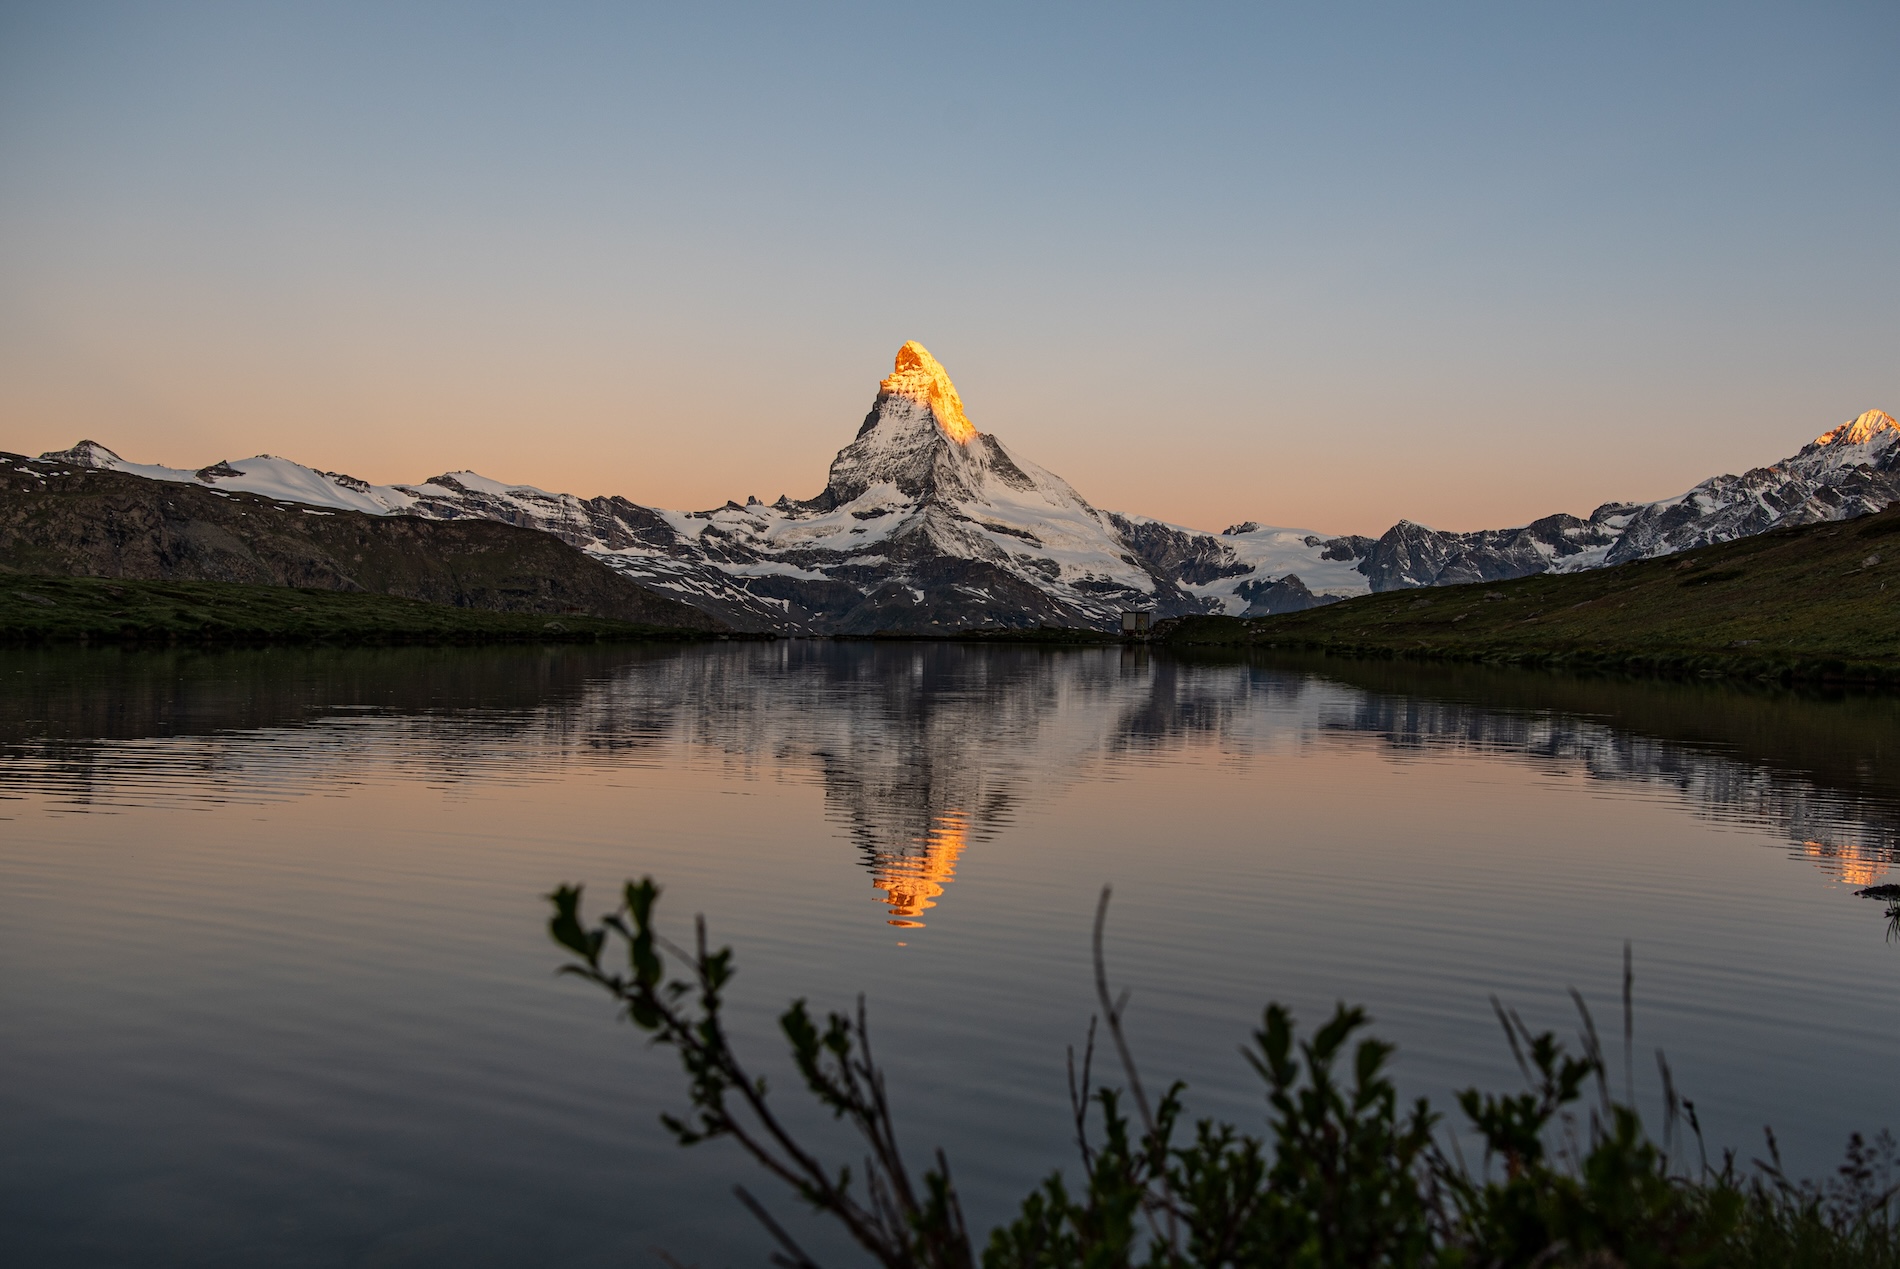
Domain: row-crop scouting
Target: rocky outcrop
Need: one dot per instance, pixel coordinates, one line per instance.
(1412, 555)
(1289, 594)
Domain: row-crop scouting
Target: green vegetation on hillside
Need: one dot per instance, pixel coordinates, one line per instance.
(95, 610)
(1344, 1176)
(1817, 602)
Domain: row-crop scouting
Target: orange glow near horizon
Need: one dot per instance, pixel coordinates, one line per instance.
(911, 881)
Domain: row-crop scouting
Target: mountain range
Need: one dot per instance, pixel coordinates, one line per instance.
(927, 524)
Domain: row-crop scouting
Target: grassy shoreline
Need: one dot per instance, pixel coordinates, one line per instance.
(96, 610)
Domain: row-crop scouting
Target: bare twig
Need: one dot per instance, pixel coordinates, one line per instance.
(891, 1223)
(1079, 1096)
(1513, 1026)
(1629, 1028)
(1593, 1050)
(793, 1256)
(1672, 1105)
(1112, 1010)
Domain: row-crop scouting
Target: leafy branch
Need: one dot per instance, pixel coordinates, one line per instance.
(901, 1222)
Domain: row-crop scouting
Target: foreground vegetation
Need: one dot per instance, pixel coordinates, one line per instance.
(1815, 603)
(1345, 1176)
(96, 610)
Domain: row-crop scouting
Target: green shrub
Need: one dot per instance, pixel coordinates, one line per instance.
(1344, 1177)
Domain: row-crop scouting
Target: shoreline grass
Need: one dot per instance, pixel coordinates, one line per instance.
(1061, 636)
(95, 610)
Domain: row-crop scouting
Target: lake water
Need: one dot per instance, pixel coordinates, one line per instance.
(275, 985)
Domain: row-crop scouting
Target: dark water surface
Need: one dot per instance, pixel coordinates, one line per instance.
(274, 985)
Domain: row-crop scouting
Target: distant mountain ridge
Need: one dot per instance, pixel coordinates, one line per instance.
(928, 524)
(1853, 470)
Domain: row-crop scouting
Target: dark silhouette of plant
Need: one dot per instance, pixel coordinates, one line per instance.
(1344, 1177)
(900, 1221)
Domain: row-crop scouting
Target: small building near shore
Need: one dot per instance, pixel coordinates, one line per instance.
(1136, 623)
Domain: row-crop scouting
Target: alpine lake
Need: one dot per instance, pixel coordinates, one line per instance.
(277, 987)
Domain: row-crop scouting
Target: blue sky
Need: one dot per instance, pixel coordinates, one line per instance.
(1324, 266)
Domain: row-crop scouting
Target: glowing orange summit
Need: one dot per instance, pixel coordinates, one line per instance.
(918, 376)
(1853, 432)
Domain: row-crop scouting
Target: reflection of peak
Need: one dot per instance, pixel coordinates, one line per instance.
(923, 379)
(914, 875)
(1851, 862)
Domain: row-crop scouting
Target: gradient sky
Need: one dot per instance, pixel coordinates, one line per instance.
(1324, 266)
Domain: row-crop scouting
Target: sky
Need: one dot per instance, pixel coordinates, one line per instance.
(1322, 266)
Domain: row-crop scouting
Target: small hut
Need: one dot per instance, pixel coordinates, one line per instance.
(1137, 623)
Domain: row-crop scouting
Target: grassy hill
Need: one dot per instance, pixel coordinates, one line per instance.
(97, 609)
(1816, 602)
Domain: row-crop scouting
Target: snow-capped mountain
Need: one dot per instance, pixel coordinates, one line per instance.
(927, 524)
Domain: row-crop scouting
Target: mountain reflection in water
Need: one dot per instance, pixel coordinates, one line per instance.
(1744, 756)
(924, 751)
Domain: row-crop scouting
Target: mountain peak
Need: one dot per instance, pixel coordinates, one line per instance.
(923, 379)
(1856, 432)
(85, 454)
